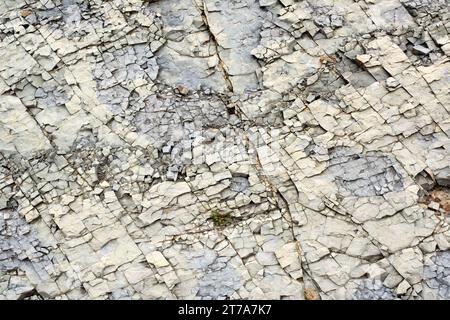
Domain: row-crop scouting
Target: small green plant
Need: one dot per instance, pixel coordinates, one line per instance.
(220, 219)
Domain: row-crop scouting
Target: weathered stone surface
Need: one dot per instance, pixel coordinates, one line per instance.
(252, 149)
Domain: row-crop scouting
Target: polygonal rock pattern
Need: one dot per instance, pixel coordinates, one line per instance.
(214, 149)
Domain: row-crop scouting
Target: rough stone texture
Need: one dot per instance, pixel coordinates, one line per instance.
(215, 149)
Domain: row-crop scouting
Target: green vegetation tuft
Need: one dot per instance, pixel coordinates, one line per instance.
(220, 219)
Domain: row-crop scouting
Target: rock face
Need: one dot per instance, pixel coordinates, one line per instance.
(214, 149)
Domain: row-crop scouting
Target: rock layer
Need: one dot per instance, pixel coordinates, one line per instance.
(204, 149)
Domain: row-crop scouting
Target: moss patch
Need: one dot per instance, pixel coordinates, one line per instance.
(220, 219)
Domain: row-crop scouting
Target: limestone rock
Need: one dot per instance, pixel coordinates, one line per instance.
(213, 149)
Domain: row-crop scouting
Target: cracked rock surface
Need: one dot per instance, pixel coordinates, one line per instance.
(218, 149)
